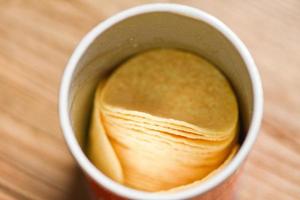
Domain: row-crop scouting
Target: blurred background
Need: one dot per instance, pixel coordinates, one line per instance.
(38, 36)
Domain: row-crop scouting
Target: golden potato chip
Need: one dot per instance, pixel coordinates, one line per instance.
(173, 84)
(166, 119)
(100, 150)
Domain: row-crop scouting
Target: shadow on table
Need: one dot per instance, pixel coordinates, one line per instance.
(78, 187)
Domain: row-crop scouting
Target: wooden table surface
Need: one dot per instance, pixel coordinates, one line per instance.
(38, 36)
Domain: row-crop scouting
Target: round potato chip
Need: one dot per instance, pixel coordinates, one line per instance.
(167, 119)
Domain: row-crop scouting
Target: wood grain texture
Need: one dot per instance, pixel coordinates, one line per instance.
(38, 36)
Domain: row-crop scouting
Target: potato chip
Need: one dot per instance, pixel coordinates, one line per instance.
(168, 120)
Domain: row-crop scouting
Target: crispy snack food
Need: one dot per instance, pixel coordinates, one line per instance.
(165, 119)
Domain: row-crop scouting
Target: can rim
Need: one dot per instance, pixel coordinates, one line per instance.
(122, 190)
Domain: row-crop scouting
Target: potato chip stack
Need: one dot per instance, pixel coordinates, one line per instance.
(165, 118)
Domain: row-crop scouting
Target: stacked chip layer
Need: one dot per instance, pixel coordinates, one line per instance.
(164, 119)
